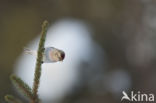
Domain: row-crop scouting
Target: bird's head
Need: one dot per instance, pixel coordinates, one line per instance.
(58, 55)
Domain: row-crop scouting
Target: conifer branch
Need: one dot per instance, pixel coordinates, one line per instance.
(12, 99)
(32, 94)
(39, 62)
(22, 86)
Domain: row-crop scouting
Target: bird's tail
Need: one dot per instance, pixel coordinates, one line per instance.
(29, 51)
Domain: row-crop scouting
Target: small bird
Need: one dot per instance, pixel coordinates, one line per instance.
(50, 54)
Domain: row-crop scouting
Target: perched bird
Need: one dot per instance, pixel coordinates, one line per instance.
(82, 67)
(50, 54)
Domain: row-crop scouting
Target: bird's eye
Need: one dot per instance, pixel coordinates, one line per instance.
(62, 55)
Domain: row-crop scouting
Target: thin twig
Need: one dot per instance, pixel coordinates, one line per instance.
(39, 62)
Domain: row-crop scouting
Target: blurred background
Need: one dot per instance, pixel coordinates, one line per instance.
(110, 47)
